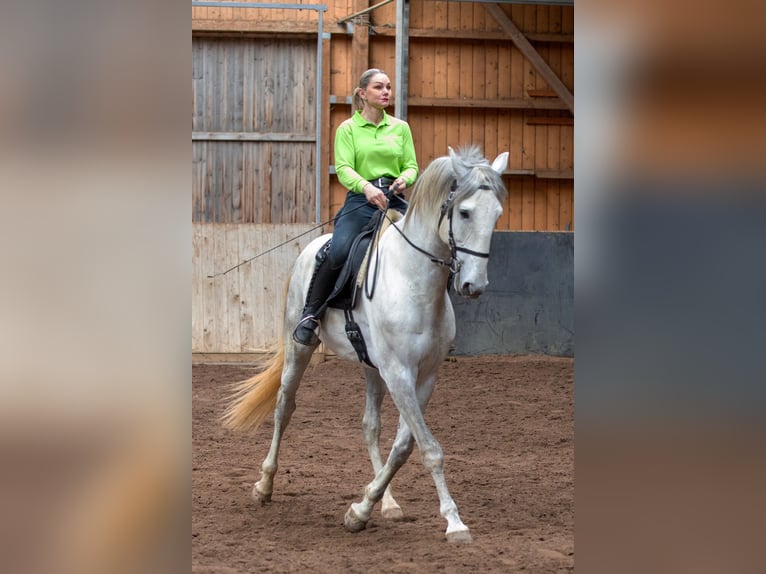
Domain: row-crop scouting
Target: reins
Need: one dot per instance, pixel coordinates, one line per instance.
(447, 208)
(453, 263)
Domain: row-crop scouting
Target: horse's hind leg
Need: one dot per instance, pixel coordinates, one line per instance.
(296, 361)
(371, 425)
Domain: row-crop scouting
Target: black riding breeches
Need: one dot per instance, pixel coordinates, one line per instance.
(351, 219)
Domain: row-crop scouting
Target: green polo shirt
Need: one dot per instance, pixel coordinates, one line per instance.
(364, 151)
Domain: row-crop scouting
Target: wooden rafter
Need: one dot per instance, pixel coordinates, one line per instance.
(534, 57)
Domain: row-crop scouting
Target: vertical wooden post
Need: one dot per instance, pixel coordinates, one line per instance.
(360, 45)
(326, 135)
(402, 49)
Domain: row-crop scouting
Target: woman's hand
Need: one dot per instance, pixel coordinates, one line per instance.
(398, 186)
(375, 196)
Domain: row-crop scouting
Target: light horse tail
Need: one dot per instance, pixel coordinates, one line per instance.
(255, 399)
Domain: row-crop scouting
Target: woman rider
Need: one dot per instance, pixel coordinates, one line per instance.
(374, 154)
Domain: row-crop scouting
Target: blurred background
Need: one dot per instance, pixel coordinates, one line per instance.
(669, 276)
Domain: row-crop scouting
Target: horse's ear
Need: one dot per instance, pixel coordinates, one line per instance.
(456, 165)
(500, 163)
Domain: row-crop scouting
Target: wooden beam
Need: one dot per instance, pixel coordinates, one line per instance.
(542, 94)
(547, 121)
(554, 174)
(493, 103)
(326, 135)
(362, 11)
(252, 137)
(485, 36)
(360, 44)
(255, 27)
(531, 54)
(402, 51)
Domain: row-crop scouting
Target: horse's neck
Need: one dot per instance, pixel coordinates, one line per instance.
(423, 234)
(414, 263)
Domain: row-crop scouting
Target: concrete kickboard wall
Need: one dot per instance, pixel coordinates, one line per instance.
(528, 307)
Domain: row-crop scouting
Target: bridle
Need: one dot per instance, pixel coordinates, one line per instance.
(453, 263)
(447, 208)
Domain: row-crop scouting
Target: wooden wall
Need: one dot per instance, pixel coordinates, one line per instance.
(239, 311)
(253, 130)
(254, 136)
(468, 83)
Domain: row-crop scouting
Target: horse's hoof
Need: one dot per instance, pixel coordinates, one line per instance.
(459, 537)
(392, 513)
(260, 496)
(352, 521)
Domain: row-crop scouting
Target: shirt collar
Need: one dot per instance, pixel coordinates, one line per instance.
(360, 121)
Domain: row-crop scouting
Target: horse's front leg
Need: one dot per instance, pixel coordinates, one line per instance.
(359, 513)
(371, 426)
(433, 459)
(412, 425)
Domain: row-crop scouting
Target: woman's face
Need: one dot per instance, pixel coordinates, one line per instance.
(378, 91)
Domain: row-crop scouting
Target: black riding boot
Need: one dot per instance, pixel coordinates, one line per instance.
(320, 287)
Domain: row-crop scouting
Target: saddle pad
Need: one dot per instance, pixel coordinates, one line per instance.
(392, 216)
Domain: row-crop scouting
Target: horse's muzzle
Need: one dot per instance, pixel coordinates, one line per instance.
(469, 290)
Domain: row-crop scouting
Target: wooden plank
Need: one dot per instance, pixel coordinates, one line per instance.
(549, 121)
(360, 49)
(262, 313)
(566, 205)
(236, 184)
(199, 178)
(554, 174)
(531, 54)
(542, 93)
(245, 276)
(468, 34)
(253, 137)
(567, 144)
(438, 20)
(553, 207)
(218, 305)
(466, 17)
(208, 287)
(439, 143)
(254, 27)
(529, 18)
(482, 103)
(498, 103)
(231, 297)
(198, 309)
(324, 175)
(541, 188)
(527, 204)
(479, 119)
(514, 204)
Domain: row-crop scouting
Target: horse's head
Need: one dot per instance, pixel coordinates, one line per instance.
(472, 209)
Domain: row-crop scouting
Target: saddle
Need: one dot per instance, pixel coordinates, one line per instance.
(352, 276)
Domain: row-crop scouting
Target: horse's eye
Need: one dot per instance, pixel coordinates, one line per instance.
(465, 214)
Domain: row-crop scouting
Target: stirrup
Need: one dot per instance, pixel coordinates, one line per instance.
(305, 331)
